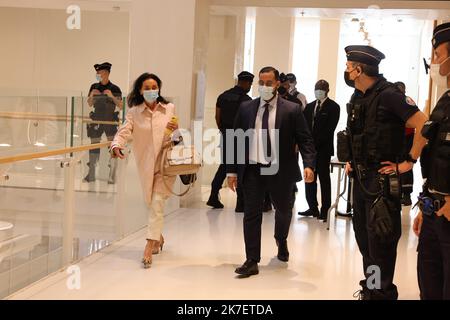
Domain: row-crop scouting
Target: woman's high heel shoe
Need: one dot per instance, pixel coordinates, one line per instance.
(159, 245)
(147, 259)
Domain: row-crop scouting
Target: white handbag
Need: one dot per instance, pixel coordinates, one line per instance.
(179, 160)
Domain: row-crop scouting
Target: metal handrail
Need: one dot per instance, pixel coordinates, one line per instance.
(51, 117)
(45, 154)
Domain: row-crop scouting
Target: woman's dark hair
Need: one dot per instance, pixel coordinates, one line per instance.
(135, 97)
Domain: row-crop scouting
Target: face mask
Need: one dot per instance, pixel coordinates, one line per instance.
(320, 94)
(282, 90)
(266, 93)
(150, 95)
(438, 79)
(350, 83)
(291, 87)
(98, 77)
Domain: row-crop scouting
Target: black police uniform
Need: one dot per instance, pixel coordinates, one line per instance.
(104, 110)
(228, 103)
(376, 126)
(433, 261)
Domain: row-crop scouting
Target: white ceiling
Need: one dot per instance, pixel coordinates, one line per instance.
(90, 5)
(423, 10)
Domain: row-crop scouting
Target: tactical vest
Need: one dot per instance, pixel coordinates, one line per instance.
(376, 135)
(435, 157)
(232, 100)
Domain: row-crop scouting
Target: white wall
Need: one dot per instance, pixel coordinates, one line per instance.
(39, 54)
(220, 73)
(273, 42)
(328, 58)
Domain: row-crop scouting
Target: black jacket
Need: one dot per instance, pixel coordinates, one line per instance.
(292, 131)
(325, 125)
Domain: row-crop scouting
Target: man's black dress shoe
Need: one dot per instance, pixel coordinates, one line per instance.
(249, 268)
(283, 253)
(310, 212)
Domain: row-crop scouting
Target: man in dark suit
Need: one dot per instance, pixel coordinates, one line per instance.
(268, 163)
(322, 116)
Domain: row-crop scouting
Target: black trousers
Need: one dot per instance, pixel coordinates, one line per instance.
(407, 178)
(221, 172)
(323, 173)
(433, 260)
(375, 252)
(255, 185)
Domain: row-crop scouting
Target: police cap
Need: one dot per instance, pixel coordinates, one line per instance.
(364, 54)
(283, 77)
(291, 77)
(245, 76)
(441, 34)
(103, 66)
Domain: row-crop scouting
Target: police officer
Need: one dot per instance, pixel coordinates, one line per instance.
(284, 88)
(226, 108)
(292, 79)
(407, 178)
(432, 224)
(104, 97)
(377, 115)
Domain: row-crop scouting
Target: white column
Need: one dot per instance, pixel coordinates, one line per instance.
(328, 53)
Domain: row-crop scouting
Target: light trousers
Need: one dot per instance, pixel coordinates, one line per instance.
(156, 216)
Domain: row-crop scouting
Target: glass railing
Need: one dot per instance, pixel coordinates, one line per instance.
(55, 207)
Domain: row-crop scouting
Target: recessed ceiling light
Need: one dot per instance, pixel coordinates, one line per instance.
(5, 145)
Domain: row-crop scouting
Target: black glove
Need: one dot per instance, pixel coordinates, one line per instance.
(381, 221)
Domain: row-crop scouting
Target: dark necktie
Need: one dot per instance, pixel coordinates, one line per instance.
(265, 126)
(316, 114)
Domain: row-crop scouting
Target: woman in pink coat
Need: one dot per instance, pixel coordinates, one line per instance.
(146, 122)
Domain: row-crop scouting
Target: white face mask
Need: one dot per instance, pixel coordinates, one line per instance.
(98, 77)
(265, 92)
(320, 94)
(438, 79)
(150, 95)
(291, 87)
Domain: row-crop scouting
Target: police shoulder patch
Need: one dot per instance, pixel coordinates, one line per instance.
(410, 101)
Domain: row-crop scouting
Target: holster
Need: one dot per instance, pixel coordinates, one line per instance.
(344, 153)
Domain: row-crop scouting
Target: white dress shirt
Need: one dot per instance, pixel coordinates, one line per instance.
(256, 152)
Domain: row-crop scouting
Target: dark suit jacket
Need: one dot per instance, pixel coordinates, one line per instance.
(325, 125)
(293, 131)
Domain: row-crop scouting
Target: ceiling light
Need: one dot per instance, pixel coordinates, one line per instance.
(40, 144)
(5, 145)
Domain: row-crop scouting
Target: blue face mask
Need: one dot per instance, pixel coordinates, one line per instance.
(320, 94)
(98, 77)
(150, 95)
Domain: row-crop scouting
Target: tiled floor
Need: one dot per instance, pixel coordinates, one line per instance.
(204, 246)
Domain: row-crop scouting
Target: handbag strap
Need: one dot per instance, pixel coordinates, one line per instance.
(163, 158)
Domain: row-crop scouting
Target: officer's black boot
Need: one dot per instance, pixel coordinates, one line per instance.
(364, 293)
(93, 159)
(214, 201)
(112, 171)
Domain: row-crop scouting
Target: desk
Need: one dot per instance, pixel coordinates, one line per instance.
(341, 176)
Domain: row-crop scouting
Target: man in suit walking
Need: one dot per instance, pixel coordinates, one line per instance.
(322, 117)
(274, 127)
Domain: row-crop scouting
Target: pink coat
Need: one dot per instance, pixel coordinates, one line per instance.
(147, 130)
